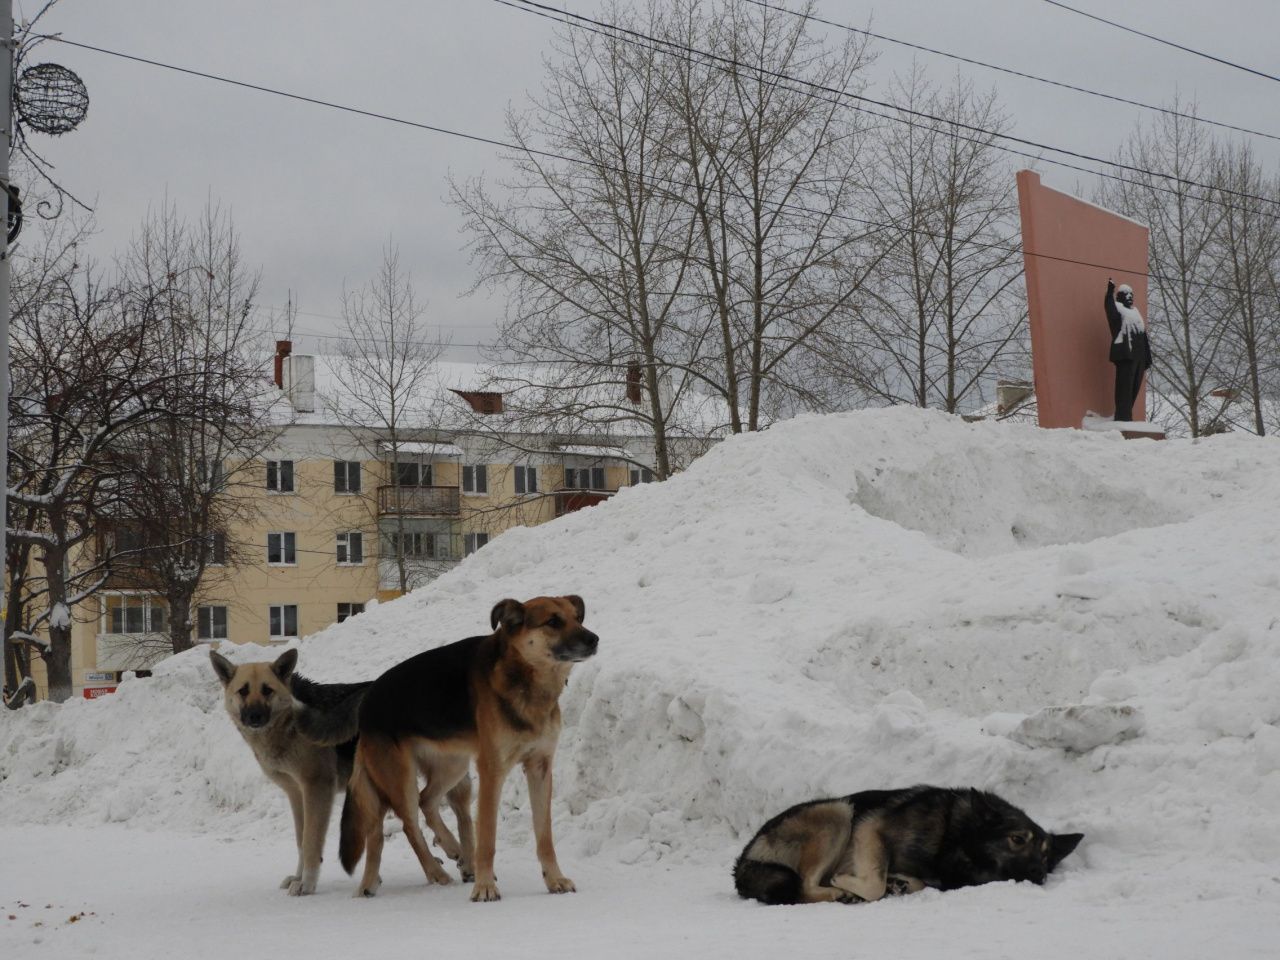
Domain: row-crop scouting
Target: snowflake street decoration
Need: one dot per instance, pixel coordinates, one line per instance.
(50, 98)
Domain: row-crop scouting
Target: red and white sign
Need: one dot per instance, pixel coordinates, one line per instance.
(93, 693)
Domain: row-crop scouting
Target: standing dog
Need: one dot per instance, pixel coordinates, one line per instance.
(493, 698)
(269, 703)
(861, 846)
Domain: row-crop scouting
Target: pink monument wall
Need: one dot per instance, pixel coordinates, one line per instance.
(1070, 247)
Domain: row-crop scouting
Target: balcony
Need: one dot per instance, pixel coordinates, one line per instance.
(419, 501)
(571, 499)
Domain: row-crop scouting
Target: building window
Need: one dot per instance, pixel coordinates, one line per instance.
(284, 621)
(351, 547)
(584, 478)
(346, 476)
(211, 623)
(281, 548)
(526, 479)
(280, 476)
(641, 475)
(216, 550)
(137, 615)
(128, 541)
(418, 545)
(475, 479)
(471, 542)
(410, 473)
(346, 610)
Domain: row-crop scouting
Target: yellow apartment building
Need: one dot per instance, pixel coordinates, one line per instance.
(334, 499)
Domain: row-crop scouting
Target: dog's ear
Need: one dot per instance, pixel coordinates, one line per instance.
(579, 607)
(223, 667)
(508, 613)
(285, 664)
(1061, 845)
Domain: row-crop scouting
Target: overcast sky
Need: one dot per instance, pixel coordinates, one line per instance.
(316, 193)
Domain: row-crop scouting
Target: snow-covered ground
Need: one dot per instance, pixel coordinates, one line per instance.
(844, 602)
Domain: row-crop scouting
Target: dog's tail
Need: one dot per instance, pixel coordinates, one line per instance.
(359, 815)
(769, 883)
(327, 714)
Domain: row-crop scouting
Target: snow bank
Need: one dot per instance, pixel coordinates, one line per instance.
(841, 603)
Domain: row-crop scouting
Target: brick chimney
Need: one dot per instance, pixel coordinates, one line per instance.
(283, 349)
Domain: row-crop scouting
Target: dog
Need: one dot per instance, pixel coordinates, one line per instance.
(860, 847)
(271, 706)
(494, 699)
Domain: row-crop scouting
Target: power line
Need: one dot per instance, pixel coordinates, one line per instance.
(1012, 72)
(533, 151)
(285, 310)
(294, 96)
(616, 32)
(1167, 43)
(351, 339)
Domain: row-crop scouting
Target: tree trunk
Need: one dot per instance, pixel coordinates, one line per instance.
(57, 663)
(180, 632)
(57, 659)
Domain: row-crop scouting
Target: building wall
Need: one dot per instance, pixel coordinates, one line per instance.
(316, 583)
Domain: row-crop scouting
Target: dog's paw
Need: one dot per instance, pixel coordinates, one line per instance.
(560, 885)
(485, 892)
(901, 886)
(847, 897)
(302, 888)
(367, 891)
(289, 881)
(467, 872)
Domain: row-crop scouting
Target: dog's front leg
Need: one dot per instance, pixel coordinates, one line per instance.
(537, 772)
(317, 804)
(493, 771)
(294, 793)
(870, 876)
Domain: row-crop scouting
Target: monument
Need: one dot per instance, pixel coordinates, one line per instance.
(1071, 248)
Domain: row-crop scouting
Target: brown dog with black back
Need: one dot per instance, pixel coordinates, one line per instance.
(494, 699)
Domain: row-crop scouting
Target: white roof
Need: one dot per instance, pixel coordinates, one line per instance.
(431, 449)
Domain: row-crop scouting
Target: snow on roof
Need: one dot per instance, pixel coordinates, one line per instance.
(841, 603)
(585, 450)
(436, 404)
(426, 449)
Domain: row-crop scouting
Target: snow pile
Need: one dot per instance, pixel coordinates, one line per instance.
(844, 602)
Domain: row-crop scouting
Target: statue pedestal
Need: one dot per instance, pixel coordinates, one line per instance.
(1129, 429)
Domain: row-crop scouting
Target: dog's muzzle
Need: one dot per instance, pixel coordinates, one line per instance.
(578, 646)
(255, 717)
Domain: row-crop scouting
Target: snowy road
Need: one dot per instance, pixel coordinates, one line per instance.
(151, 895)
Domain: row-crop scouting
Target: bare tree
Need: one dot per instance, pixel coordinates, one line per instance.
(83, 377)
(1189, 319)
(386, 367)
(946, 320)
(774, 169)
(592, 249)
(1247, 252)
(191, 462)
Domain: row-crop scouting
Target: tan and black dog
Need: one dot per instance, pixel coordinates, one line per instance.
(494, 699)
(865, 845)
(267, 702)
